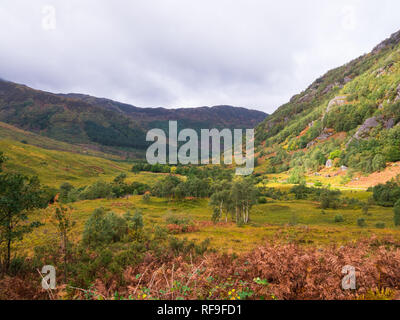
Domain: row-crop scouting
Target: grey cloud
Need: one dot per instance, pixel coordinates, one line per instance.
(177, 53)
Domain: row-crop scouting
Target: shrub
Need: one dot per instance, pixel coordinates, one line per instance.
(98, 190)
(301, 191)
(386, 194)
(380, 225)
(18, 265)
(65, 188)
(397, 213)
(184, 246)
(378, 162)
(134, 222)
(146, 198)
(392, 153)
(365, 210)
(335, 154)
(361, 222)
(179, 224)
(103, 228)
(138, 188)
(296, 176)
(339, 218)
(262, 200)
(329, 199)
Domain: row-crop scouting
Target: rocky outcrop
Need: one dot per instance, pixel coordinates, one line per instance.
(329, 88)
(398, 94)
(347, 80)
(389, 124)
(311, 143)
(364, 129)
(337, 101)
(308, 97)
(370, 123)
(394, 39)
(326, 133)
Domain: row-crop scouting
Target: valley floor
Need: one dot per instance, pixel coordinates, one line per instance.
(298, 222)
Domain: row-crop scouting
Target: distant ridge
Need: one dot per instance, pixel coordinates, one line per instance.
(95, 122)
(226, 115)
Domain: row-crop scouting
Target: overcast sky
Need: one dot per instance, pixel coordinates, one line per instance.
(181, 53)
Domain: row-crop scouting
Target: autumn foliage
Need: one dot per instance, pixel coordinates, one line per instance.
(272, 271)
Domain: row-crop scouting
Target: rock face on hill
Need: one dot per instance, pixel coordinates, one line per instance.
(392, 41)
(337, 101)
(339, 112)
(366, 127)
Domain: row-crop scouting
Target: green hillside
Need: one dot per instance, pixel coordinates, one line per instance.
(54, 167)
(67, 119)
(10, 132)
(107, 125)
(350, 116)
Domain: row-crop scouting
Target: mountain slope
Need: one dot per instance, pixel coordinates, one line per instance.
(217, 116)
(348, 116)
(54, 167)
(67, 119)
(99, 123)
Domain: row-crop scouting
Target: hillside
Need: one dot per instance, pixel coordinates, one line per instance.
(103, 124)
(346, 119)
(10, 132)
(54, 167)
(202, 117)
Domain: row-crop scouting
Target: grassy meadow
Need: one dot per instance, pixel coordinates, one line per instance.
(299, 222)
(279, 224)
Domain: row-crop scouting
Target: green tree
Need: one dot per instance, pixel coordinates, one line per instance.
(98, 190)
(18, 196)
(378, 162)
(136, 168)
(244, 196)
(135, 221)
(146, 198)
(221, 200)
(387, 194)
(166, 187)
(301, 191)
(65, 189)
(297, 176)
(61, 218)
(365, 209)
(397, 213)
(329, 199)
(361, 222)
(392, 153)
(103, 228)
(335, 154)
(3, 158)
